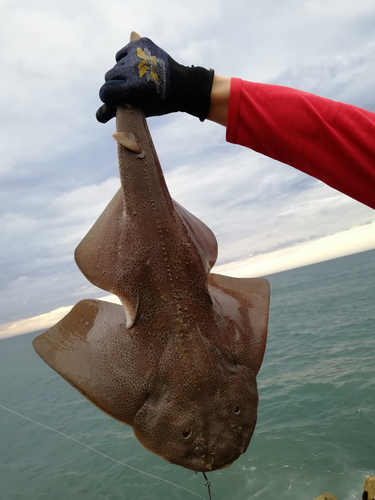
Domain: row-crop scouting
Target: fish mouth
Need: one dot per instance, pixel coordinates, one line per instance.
(201, 464)
(212, 467)
(205, 465)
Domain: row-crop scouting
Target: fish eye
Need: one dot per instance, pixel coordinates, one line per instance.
(186, 433)
(237, 410)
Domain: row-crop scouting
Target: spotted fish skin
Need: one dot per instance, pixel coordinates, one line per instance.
(178, 359)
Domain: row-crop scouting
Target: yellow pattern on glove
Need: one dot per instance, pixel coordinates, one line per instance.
(148, 65)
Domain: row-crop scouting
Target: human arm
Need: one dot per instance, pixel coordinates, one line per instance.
(331, 141)
(219, 100)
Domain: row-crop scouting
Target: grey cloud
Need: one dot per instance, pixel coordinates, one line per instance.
(344, 78)
(53, 147)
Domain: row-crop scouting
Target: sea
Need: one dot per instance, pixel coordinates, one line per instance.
(316, 419)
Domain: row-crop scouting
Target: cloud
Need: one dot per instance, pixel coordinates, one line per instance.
(58, 165)
(259, 205)
(303, 253)
(83, 204)
(42, 321)
(335, 10)
(45, 259)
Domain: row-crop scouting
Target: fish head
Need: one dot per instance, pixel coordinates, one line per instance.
(201, 427)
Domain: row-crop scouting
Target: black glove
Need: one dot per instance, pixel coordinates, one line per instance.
(148, 77)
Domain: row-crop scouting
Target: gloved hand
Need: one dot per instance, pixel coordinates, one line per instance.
(148, 77)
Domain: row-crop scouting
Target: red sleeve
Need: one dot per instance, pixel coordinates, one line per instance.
(331, 141)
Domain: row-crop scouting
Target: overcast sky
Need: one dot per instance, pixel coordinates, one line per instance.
(58, 166)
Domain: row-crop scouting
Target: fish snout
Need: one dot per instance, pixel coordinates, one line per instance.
(220, 447)
(226, 443)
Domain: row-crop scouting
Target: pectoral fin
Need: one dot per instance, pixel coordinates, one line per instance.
(91, 349)
(245, 302)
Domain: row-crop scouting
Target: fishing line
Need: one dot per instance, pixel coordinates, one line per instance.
(100, 453)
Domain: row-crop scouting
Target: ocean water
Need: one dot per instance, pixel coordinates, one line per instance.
(316, 422)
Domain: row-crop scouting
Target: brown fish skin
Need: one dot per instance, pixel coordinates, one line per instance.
(178, 362)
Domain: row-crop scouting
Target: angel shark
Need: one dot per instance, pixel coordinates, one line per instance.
(178, 359)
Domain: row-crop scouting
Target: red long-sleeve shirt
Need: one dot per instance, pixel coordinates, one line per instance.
(329, 140)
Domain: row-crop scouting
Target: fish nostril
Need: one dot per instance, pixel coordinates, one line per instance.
(186, 433)
(237, 410)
